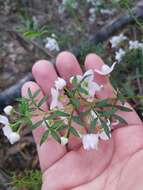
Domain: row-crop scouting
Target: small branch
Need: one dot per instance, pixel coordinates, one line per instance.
(8, 95)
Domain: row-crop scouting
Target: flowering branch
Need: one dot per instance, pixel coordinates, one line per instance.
(68, 106)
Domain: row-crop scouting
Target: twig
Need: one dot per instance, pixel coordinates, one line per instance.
(8, 95)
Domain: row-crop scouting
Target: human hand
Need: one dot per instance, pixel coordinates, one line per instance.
(117, 164)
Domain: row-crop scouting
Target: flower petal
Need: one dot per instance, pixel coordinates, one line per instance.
(14, 137)
(55, 95)
(7, 131)
(90, 141)
(90, 75)
(4, 120)
(105, 70)
(64, 141)
(60, 83)
(8, 109)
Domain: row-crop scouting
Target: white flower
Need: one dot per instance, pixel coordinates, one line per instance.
(64, 141)
(135, 45)
(60, 83)
(8, 109)
(55, 103)
(4, 120)
(52, 44)
(90, 141)
(14, 137)
(7, 131)
(103, 136)
(105, 69)
(116, 40)
(88, 84)
(119, 55)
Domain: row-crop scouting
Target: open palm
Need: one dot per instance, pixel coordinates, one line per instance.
(116, 165)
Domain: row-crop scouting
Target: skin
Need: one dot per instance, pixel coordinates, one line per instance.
(116, 165)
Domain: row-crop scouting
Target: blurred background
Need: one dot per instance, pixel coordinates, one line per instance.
(39, 29)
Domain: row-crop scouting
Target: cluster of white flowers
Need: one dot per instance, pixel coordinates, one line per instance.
(120, 53)
(90, 141)
(51, 43)
(13, 137)
(116, 40)
(135, 45)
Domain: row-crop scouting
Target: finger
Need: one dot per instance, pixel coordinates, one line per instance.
(45, 75)
(93, 62)
(50, 151)
(68, 66)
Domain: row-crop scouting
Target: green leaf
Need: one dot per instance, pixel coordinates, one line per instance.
(120, 119)
(56, 114)
(74, 132)
(74, 81)
(105, 127)
(62, 127)
(124, 108)
(121, 97)
(57, 124)
(37, 124)
(44, 137)
(43, 100)
(55, 135)
(75, 102)
(103, 103)
(32, 34)
(107, 112)
(83, 90)
(93, 125)
(77, 120)
(36, 93)
(30, 93)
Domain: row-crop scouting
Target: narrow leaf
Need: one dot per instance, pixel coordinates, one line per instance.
(77, 120)
(55, 135)
(37, 124)
(124, 108)
(43, 100)
(93, 124)
(44, 137)
(75, 102)
(120, 119)
(105, 127)
(36, 93)
(74, 132)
